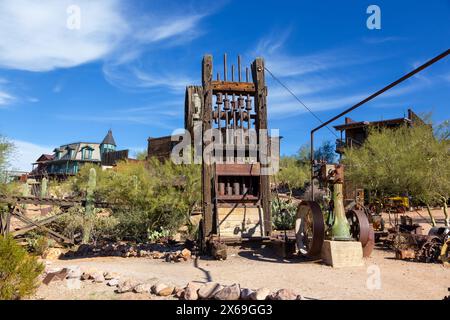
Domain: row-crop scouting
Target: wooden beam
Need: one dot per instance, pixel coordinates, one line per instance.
(18, 214)
(37, 224)
(233, 87)
(261, 124)
(207, 70)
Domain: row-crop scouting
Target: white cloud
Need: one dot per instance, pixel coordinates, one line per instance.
(34, 35)
(169, 28)
(5, 98)
(26, 153)
(284, 64)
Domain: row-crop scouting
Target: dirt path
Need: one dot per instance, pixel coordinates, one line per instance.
(399, 279)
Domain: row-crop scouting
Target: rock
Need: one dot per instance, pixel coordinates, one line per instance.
(219, 250)
(98, 277)
(142, 288)
(144, 253)
(158, 287)
(52, 254)
(83, 250)
(166, 291)
(113, 282)
(179, 293)
(85, 276)
(191, 291)
(232, 292)
(299, 297)
(158, 255)
(283, 294)
(260, 294)
(208, 290)
(56, 276)
(246, 293)
(110, 276)
(125, 286)
(186, 254)
(74, 272)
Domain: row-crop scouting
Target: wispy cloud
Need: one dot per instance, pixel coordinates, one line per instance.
(5, 99)
(34, 37)
(379, 40)
(285, 64)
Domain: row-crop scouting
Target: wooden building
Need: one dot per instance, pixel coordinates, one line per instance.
(354, 133)
(69, 158)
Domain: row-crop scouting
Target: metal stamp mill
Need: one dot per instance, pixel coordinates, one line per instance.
(236, 195)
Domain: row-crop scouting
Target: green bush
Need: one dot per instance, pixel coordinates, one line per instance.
(38, 243)
(151, 196)
(18, 270)
(104, 226)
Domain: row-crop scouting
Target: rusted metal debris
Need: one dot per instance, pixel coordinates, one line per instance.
(408, 242)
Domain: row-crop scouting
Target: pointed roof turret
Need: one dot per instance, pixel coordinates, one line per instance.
(109, 139)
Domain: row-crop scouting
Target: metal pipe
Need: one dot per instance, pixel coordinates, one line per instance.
(376, 94)
(239, 68)
(224, 67)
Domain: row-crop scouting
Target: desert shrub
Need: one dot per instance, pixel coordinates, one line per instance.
(18, 270)
(293, 174)
(149, 196)
(283, 214)
(38, 243)
(104, 226)
(157, 235)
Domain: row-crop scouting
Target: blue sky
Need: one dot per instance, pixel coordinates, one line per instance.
(127, 65)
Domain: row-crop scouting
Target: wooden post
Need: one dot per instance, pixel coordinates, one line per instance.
(207, 72)
(261, 124)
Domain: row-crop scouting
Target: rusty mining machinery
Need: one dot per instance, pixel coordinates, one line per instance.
(235, 193)
(313, 225)
(235, 190)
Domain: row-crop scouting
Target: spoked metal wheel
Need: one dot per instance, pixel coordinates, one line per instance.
(361, 230)
(309, 229)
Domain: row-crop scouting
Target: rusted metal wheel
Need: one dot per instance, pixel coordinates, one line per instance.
(430, 250)
(309, 229)
(361, 230)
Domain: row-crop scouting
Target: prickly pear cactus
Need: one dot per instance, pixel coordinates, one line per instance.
(89, 207)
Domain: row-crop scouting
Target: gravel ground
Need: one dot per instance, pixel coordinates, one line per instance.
(254, 268)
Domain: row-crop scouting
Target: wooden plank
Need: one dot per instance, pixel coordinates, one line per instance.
(252, 169)
(55, 234)
(207, 168)
(240, 222)
(261, 124)
(37, 224)
(233, 87)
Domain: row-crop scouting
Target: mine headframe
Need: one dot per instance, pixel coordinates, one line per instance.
(227, 121)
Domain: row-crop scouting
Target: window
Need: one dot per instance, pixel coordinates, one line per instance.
(86, 153)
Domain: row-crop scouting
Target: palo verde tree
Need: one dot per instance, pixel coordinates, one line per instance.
(406, 160)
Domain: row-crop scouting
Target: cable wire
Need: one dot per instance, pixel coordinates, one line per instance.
(300, 101)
